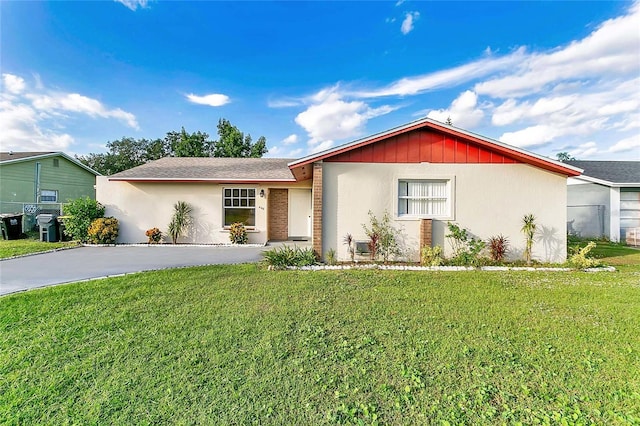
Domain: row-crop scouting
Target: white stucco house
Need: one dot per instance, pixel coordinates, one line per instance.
(605, 200)
(424, 174)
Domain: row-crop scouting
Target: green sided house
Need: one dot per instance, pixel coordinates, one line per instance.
(42, 177)
(424, 174)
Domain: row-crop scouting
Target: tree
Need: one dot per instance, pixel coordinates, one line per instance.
(233, 143)
(124, 154)
(183, 144)
(565, 156)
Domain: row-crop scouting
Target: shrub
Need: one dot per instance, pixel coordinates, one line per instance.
(103, 230)
(498, 246)
(331, 257)
(282, 257)
(238, 233)
(180, 221)
(154, 235)
(431, 256)
(81, 212)
(580, 257)
(466, 249)
(382, 237)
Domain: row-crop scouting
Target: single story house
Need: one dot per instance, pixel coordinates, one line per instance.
(424, 174)
(605, 200)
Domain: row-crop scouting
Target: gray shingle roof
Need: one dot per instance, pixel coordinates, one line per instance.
(611, 171)
(6, 156)
(215, 169)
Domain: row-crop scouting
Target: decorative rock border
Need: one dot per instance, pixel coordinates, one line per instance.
(443, 268)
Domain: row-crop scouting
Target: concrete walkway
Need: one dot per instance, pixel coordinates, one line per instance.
(85, 263)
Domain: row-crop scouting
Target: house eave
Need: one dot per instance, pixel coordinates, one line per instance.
(200, 180)
(608, 183)
(512, 151)
(52, 154)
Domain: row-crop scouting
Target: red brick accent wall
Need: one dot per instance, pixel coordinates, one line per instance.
(426, 232)
(317, 209)
(278, 214)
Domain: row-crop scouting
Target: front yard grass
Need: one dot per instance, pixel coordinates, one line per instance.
(241, 345)
(11, 248)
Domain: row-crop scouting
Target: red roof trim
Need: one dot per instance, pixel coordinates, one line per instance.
(172, 180)
(514, 153)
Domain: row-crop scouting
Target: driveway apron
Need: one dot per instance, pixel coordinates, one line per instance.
(85, 263)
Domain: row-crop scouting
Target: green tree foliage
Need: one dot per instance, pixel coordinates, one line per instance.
(565, 156)
(183, 144)
(126, 153)
(529, 227)
(80, 213)
(383, 236)
(233, 143)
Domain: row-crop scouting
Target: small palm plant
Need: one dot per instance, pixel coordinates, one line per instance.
(529, 231)
(180, 221)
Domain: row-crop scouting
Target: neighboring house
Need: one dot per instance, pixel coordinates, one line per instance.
(605, 200)
(43, 177)
(424, 174)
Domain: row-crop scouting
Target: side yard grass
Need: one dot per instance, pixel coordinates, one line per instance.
(242, 345)
(11, 248)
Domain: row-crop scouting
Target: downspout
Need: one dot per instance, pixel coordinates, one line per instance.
(36, 195)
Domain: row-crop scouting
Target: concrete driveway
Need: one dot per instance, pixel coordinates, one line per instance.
(85, 263)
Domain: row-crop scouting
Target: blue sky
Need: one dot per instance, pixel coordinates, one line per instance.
(544, 76)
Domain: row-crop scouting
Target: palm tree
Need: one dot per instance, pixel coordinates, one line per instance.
(529, 231)
(180, 221)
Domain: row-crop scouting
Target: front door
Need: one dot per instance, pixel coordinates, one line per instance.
(299, 214)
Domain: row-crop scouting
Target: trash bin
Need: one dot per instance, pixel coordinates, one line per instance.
(11, 225)
(48, 225)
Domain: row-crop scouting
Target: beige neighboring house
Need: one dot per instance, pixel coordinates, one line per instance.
(424, 174)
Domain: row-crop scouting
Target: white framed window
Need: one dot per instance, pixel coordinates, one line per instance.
(424, 198)
(48, 196)
(239, 205)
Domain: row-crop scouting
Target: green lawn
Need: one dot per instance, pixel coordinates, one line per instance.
(241, 345)
(11, 248)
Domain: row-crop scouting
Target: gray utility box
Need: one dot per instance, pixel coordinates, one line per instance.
(48, 227)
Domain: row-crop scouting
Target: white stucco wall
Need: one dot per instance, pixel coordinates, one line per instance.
(488, 199)
(140, 206)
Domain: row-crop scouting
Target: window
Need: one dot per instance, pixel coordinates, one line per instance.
(56, 162)
(424, 198)
(48, 196)
(239, 206)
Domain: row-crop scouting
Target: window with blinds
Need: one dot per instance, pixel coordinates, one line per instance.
(425, 198)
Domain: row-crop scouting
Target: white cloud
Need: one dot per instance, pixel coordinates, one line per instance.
(33, 118)
(585, 150)
(407, 23)
(330, 118)
(534, 136)
(464, 111)
(213, 99)
(283, 103)
(444, 78)
(629, 144)
(290, 140)
(133, 4)
(13, 83)
(613, 49)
